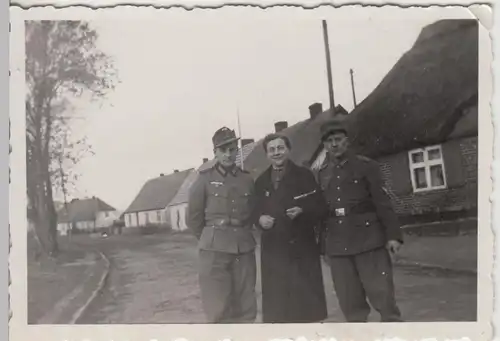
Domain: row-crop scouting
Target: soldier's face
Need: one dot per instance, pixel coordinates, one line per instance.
(277, 152)
(226, 155)
(336, 144)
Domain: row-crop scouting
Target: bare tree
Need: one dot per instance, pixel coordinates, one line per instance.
(62, 61)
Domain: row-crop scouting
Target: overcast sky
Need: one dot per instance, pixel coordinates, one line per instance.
(183, 76)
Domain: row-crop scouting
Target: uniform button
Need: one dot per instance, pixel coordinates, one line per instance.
(345, 249)
(216, 194)
(338, 199)
(338, 187)
(340, 221)
(338, 176)
(233, 200)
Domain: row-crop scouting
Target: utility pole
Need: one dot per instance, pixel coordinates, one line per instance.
(353, 90)
(328, 66)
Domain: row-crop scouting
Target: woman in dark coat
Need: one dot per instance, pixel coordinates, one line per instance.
(289, 205)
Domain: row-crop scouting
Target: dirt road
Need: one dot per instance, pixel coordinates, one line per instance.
(154, 280)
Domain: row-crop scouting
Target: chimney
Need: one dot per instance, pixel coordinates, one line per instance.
(205, 160)
(315, 109)
(161, 174)
(244, 142)
(279, 126)
(176, 171)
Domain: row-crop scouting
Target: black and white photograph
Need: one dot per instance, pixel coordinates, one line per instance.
(324, 169)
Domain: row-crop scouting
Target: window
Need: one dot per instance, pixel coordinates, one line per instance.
(427, 169)
(158, 213)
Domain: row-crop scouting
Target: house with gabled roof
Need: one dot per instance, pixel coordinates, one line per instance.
(149, 206)
(85, 215)
(177, 208)
(420, 123)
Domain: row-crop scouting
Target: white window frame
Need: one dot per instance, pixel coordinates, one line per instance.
(426, 164)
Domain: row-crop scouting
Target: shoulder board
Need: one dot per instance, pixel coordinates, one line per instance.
(206, 170)
(364, 158)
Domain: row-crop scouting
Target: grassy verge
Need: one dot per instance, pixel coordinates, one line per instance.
(50, 280)
(454, 252)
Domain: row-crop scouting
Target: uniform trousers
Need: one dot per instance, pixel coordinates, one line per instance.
(366, 275)
(227, 283)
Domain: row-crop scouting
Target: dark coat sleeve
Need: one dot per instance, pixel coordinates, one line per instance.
(382, 202)
(314, 206)
(196, 207)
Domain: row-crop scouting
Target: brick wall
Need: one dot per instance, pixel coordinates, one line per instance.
(460, 161)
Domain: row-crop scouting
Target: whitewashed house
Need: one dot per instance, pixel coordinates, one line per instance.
(149, 206)
(177, 208)
(86, 215)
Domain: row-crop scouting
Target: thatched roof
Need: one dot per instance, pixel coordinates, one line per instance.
(157, 193)
(83, 210)
(420, 101)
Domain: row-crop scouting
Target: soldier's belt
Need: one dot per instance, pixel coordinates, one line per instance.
(229, 222)
(361, 208)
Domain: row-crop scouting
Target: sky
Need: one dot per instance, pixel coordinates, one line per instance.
(186, 74)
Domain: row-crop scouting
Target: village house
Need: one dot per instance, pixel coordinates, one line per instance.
(85, 215)
(420, 124)
(177, 208)
(149, 208)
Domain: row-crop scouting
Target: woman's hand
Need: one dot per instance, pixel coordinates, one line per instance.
(266, 221)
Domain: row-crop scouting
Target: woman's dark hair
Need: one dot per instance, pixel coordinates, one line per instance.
(275, 136)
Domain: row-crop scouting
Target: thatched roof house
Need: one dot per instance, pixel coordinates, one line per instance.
(420, 123)
(420, 101)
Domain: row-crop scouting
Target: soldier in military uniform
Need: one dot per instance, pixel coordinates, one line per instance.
(361, 230)
(221, 204)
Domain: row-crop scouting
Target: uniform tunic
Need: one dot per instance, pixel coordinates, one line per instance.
(219, 214)
(360, 222)
(362, 218)
(292, 280)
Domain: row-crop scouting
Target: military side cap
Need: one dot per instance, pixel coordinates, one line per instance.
(223, 136)
(332, 126)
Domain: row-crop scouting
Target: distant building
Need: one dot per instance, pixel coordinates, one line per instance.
(85, 215)
(177, 208)
(149, 206)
